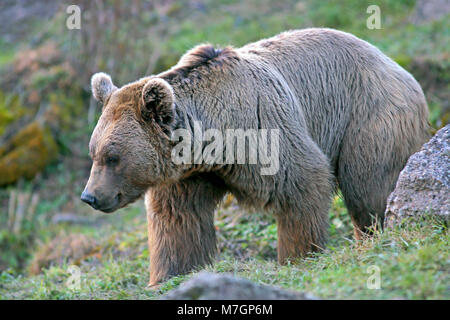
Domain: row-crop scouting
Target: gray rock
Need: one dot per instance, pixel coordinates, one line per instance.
(423, 187)
(211, 286)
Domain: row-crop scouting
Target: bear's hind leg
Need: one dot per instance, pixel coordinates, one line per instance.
(366, 177)
(370, 160)
(181, 234)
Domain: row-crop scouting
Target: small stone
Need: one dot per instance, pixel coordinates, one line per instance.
(211, 286)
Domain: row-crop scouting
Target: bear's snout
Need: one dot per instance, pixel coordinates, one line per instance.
(101, 202)
(89, 199)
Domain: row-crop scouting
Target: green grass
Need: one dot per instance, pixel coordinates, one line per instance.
(413, 260)
(7, 53)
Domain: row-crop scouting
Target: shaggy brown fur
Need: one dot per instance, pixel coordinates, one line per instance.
(345, 111)
(181, 228)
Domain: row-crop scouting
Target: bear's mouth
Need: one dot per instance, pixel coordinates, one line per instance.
(109, 210)
(116, 205)
(120, 201)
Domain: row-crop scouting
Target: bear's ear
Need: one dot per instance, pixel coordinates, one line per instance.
(158, 101)
(102, 86)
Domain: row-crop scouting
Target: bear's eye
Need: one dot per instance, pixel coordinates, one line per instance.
(112, 160)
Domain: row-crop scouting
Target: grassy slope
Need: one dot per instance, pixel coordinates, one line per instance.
(414, 261)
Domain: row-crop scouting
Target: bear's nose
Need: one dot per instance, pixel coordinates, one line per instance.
(89, 199)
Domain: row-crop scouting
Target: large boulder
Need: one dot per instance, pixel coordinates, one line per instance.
(423, 187)
(210, 286)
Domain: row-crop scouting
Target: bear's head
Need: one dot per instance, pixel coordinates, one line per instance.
(130, 146)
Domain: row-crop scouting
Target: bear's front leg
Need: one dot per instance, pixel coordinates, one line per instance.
(181, 233)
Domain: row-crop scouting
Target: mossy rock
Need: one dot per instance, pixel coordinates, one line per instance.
(26, 153)
(10, 110)
(71, 249)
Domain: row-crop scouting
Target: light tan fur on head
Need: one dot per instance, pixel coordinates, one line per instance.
(102, 86)
(130, 146)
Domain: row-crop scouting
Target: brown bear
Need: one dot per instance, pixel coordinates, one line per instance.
(348, 117)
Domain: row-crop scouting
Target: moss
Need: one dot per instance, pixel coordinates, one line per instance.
(64, 109)
(10, 110)
(26, 153)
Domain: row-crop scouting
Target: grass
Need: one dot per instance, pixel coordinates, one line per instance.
(413, 261)
(7, 53)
